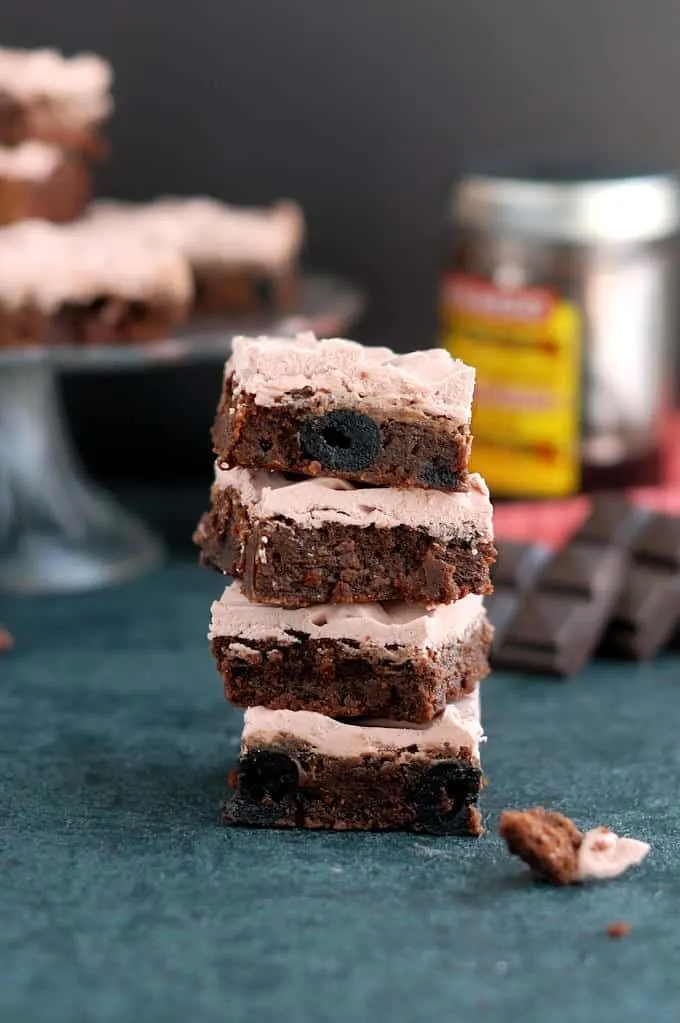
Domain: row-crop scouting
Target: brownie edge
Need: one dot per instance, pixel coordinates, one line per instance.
(341, 678)
(292, 787)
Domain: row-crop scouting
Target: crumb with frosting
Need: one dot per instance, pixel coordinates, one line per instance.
(556, 851)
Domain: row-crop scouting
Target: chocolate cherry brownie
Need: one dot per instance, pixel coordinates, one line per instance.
(42, 181)
(301, 769)
(87, 286)
(315, 541)
(44, 95)
(336, 408)
(118, 287)
(242, 259)
(402, 662)
(29, 293)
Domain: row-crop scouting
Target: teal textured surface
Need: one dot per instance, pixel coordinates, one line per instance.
(123, 899)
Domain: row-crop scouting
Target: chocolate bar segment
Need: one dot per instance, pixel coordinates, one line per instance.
(560, 622)
(648, 611)
(515, 569)
(318, 541)
(335, 408)
(400, 662)
(299, 769)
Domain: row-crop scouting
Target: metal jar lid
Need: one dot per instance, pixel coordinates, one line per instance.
(590, 211)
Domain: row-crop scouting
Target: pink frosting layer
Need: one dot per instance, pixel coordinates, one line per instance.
(211, 234)
(30, 161)
(430, 382)
(375, 625)
(311, 502)
(604, 855)
(48, 265)
(459, 725)
(78, 86)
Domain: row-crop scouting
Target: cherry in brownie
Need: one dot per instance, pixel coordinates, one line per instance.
(336, 408)
(401, 662)
(296, 542)
(305, 770)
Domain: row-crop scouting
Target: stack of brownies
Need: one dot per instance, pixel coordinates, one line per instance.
(51, 110)
(354, 632)
(113, 272)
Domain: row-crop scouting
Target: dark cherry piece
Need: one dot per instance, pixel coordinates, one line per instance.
(439, 476)
(441, 798)
(267, 789)
(341, 440)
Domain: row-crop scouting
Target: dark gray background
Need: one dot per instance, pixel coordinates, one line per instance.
(362, 110)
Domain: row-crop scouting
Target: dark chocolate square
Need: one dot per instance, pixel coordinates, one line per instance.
(583, 569)
(549, 621)
(517, 563)
(647, 613)
(659, 541)
(612, 520)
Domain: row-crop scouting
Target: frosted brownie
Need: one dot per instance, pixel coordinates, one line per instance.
(300, 769)
(403, 662)
(44, 95)
(38, 180)
(117, 287)
(316, 541)
(29, 293)
(336, 408)
(243, 259)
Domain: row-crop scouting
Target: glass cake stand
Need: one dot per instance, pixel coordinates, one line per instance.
(58, 531)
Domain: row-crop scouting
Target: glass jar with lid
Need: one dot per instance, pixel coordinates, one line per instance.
(561, 292)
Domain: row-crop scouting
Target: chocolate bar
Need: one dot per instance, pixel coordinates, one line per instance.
(560, 621)
(516, 567)
(647, 613)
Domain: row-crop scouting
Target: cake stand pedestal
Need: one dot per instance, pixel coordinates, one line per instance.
(60, 532)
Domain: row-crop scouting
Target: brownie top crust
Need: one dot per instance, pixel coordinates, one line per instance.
(466, 515)
(276, 370)
(374, 624)
(30, 161)
(457, 727)
(79, 85)
(210, 233)
(49, 265)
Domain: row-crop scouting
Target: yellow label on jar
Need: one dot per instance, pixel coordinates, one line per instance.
(526, 348)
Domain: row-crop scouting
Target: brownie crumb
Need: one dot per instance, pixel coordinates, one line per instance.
(618, 929)
(232, 778)
(548, 842)
(6, 640)
(556, 851)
